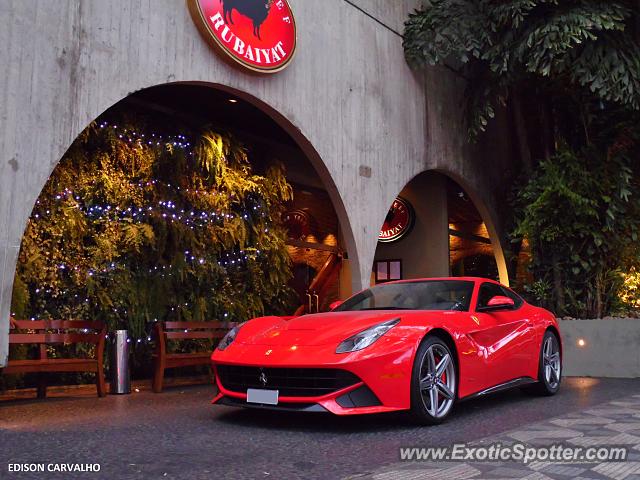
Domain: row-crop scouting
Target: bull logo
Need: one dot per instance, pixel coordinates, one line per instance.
(256, 10)
(263, 379)
(234, 27)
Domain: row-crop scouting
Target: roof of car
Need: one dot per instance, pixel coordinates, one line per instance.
(468, 279)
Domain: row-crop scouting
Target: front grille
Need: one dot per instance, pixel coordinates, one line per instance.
(290, 382)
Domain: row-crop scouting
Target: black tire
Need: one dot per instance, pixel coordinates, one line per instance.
(544, 386)
(420, 411)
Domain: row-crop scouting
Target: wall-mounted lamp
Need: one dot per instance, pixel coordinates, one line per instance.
(581, 342)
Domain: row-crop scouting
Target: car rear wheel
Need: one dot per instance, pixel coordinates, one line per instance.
(549, 367)
(433, 383)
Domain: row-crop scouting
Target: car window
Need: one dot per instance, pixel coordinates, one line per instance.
(489, 290)
(420, 295)
(517, 300)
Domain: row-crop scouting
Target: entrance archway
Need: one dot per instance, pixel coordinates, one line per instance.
(256, 122)
(447, 231)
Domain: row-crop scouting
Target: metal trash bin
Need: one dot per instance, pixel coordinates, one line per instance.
(119, 363)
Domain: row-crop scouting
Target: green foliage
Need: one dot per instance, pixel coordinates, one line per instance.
(540, 291)
(581, 215)
(131, 231)
(567, 76)
(630, 290)
(583, 48)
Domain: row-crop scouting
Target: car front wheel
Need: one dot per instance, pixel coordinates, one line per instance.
(433, 383)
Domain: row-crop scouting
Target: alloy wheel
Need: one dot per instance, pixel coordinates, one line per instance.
(437, 380)
(551, 361)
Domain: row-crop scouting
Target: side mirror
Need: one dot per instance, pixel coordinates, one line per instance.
(498, 302)
(335, 305)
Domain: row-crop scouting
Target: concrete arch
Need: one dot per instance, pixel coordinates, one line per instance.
(440, 217)
(489, 220)
(279, 118)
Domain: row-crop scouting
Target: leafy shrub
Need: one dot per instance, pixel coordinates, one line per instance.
(581, 213)
(135, 227)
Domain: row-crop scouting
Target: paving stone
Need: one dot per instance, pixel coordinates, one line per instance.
(507, 472)
(617, 471)
(460, 472)
(562, 469)
(581, 421)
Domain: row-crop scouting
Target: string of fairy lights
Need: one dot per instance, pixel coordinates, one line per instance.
(166, 210)
(153, 139)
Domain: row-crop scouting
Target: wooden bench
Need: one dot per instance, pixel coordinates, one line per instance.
(51, 332)
(183, 331)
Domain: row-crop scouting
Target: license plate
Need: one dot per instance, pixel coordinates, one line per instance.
(267, 397)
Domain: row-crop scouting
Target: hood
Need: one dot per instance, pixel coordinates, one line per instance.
(328, 328)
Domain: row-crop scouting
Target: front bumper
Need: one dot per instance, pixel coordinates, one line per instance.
(382, 383)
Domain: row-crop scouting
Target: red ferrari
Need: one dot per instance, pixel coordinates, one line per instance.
(418, 345)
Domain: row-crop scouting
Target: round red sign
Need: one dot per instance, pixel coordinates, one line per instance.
(298, 223)
(257, 34)
(398, 222)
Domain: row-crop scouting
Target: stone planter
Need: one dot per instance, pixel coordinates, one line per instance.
(601, 348)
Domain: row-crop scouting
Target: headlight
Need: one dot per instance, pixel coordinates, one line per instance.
(367, 337)
(228, 338)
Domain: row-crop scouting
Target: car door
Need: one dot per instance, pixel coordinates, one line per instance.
(506, 338)
(472, 367)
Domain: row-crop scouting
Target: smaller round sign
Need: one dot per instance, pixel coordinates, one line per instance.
(398, 222)
(298, 223)
(258, 34)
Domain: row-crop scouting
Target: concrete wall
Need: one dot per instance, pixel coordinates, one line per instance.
(425, 250)
(348, 98)
(610, 347)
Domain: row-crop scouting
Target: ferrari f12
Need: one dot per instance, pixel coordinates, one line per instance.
(415, 345)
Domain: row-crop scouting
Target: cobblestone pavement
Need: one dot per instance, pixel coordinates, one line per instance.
(179, 435)
(616, 423)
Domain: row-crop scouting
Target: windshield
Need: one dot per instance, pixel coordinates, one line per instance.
(427, 295)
